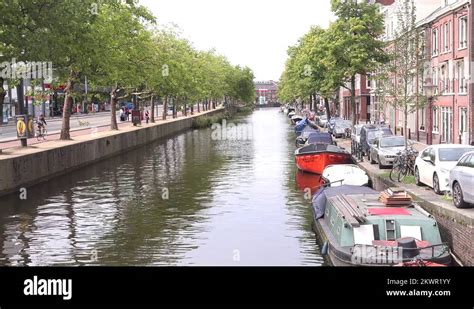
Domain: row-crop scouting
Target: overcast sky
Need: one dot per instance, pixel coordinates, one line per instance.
(253, 33)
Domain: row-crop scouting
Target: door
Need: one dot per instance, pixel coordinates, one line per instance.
(423, 166)
(430, 167)
(467, 179)
(427, 168)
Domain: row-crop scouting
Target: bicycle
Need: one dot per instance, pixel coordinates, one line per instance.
(41, 132)
(403, 164)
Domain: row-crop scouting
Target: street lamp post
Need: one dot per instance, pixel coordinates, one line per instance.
(430, 91)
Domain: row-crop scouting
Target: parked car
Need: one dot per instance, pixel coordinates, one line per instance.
(342, 128)
(384, 149)
(322, 121)
(461, 181)
(332, 123)
(433, 165)
(369, 133)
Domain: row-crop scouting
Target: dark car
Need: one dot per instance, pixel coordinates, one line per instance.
(369, 133)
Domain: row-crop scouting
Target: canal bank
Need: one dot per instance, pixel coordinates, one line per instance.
(456, 225)
(23, 167)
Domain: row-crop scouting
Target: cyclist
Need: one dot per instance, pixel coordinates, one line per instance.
(41, 125)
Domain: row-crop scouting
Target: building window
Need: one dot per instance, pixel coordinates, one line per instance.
(369, 81)
(446, 37)
(435, 42)
(435, 120)
(462, 81)
(444, 79)
(463, 32)
(462, 120)
(447, 122)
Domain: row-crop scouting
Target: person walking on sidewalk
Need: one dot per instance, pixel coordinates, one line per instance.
(147, 116)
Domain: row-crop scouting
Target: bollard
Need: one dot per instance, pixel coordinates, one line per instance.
(409, 133)
(401, 130)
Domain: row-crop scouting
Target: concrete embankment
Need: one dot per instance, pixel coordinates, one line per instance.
(23, 167)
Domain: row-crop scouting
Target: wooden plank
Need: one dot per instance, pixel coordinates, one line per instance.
(360, 214)
(336, 202)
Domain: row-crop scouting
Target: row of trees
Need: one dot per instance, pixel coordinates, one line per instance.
(324, 60)
(118, 46)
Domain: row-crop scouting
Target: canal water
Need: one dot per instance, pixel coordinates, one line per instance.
(193, 199)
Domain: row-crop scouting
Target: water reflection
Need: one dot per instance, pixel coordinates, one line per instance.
(229, 203)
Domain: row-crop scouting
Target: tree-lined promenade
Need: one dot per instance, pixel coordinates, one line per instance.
(117, 45)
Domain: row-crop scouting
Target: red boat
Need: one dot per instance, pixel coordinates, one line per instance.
(314, 158)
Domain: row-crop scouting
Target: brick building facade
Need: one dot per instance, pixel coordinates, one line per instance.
(266, 92)
(449, 49)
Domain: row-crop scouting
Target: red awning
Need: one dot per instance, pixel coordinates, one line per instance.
(385, 211)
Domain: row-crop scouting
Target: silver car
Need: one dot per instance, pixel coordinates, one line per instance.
(342, 128)
(385, 148)
(461, 181)
(323, 120)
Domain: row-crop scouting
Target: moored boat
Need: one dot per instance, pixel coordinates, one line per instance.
(305, 181)
(345, 174)
(296, 118)
(314, 158)
(302, 136)
(359, 230)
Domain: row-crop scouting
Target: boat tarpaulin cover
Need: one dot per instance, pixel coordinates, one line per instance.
(300, 125)
(395, 211)
(320, 197)
(320, 137)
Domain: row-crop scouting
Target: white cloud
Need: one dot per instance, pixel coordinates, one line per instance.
(254, 33)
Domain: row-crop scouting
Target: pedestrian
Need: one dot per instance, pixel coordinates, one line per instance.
(147, 116)
(122, 114)
(382, 118)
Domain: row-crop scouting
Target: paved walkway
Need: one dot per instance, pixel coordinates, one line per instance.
(13, 148)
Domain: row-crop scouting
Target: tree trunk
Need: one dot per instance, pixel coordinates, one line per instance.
(175, 109)
(165, 107)
(353, 102)
(326, 105)
(152, 104)
(65, 130)
(113, 109)
(3, 93)
(185, 111)
(192, 109)
(199, 109)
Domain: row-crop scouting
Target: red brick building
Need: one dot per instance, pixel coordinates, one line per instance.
(448, 40)
(449, 51)
(362, 98)
(266, 92)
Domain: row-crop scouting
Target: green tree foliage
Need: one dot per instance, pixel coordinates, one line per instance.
(116, 44)
(326, 59)
(406, 65)
(356, 47)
